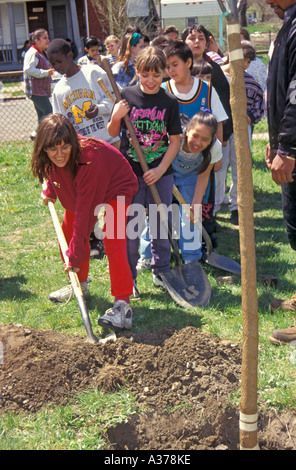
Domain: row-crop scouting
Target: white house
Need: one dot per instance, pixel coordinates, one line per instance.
(184, 13)
(61, 18)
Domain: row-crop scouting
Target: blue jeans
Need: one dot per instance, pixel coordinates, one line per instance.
(145, 242)
(190, 236)
(160, 245)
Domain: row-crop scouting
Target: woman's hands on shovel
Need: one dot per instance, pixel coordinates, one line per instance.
(67, 266)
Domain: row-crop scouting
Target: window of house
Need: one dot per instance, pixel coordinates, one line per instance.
(191, 21)
(1, 28)
(20, 23)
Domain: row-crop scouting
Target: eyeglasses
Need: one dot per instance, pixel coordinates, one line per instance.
(53, 151)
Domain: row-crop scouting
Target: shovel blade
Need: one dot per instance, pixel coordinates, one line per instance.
(222, 262)
(188, 285)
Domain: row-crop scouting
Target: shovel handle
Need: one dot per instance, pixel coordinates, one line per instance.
(91, 338)
(184, 204)
(106, 90)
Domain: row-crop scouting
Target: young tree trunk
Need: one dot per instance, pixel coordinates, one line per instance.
(238, 101)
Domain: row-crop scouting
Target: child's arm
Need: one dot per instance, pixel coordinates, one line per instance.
(154, 174)
(120, 110)
(219, 133)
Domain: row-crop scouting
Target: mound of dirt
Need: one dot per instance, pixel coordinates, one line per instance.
(183, 379)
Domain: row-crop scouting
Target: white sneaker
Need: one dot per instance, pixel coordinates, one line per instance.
(157, 281)
(143, 264)
(117, 317)
(66, 293)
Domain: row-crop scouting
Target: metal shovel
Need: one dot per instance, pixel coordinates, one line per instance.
(211, 258)
(188, 285)
(91, 338)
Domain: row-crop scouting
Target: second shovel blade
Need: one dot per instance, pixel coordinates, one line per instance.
(188, 286)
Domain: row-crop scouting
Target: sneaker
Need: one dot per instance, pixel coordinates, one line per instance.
(66, 293)
(283, 336)
(143, 264)
(33, 135)
(157, 281)
(117, 317)
(234, 217)
(136, 292)
(97, 250)
(288, 305)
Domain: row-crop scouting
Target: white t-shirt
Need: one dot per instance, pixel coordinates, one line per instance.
(73, 96)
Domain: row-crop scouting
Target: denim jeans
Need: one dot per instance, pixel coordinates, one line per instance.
(190, 236)
(160, 245)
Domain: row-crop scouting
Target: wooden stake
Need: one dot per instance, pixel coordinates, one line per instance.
(238, 102)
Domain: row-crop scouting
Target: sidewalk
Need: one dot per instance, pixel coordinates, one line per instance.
(18, 119)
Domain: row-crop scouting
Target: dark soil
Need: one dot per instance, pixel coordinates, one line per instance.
(183, 379)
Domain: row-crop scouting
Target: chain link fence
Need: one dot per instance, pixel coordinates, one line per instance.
(18, 115)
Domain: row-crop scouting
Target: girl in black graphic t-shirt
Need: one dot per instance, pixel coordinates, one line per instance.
(154, 114)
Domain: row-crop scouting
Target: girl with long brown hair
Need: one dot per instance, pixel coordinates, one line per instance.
(124, 69)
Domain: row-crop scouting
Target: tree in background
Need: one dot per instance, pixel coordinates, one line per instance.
(113, 17)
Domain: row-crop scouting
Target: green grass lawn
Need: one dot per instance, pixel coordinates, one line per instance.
(31, 268)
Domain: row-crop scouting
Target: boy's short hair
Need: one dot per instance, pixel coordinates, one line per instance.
(202, 68)
(91, 42)
(249, 50)
(170, 29)
(151, 58)
(245, 33)
(57, 46)
(181, 50)
(162, 41)
(195, 27)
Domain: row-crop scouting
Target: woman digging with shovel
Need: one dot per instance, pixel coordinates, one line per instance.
(84, 174)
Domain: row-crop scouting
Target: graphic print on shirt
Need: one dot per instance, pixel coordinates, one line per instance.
(77, 113)
(151, 132)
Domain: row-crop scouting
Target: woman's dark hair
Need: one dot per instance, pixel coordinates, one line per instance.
(181, 50)
(195, 27)
(53, 130)
(207, 119)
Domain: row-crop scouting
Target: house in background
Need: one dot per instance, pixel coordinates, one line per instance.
(77, 19)
(73, 19)
(183, 14)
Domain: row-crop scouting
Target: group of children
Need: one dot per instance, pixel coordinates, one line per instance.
(179, 120)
